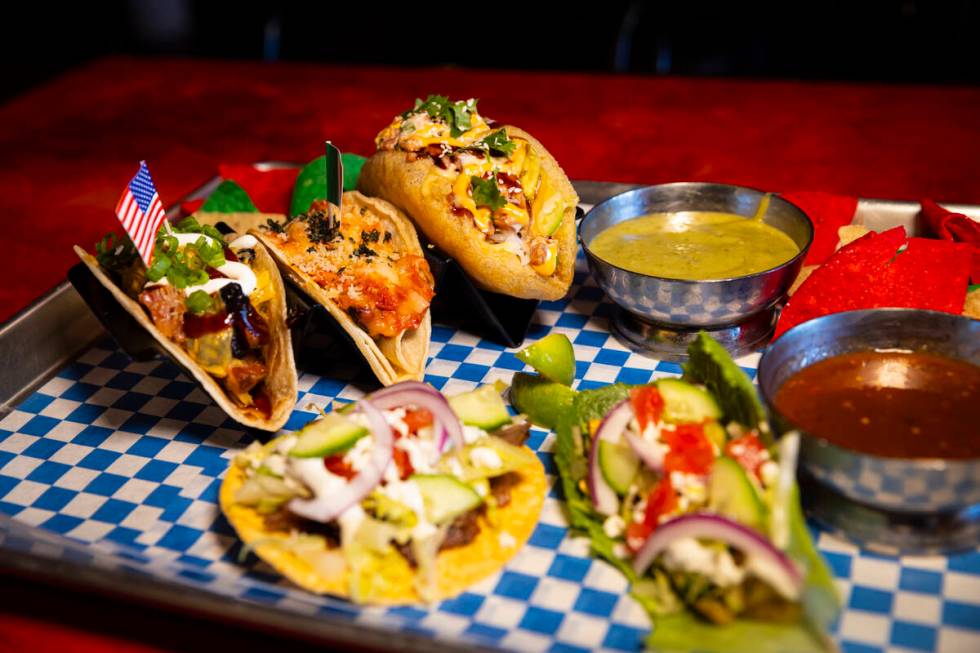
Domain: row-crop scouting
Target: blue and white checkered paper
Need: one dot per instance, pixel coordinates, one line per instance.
(118, 464)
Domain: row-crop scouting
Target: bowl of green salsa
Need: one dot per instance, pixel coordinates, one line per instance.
(682, 257)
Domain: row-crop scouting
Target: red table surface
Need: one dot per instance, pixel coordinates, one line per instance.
(71, 145)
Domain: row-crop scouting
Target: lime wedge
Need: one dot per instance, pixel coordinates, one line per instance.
(543, 401)
(552, 356)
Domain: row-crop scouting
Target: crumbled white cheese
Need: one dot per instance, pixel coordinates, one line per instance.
(614, 526)
(408, 494)
(472, 434)
(359, 455)
(396, 420)
(714, 563)
(485, 457)
(420, 453)
(691, 489)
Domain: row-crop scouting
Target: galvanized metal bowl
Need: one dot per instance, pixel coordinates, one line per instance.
(908, 505)
(661, 315)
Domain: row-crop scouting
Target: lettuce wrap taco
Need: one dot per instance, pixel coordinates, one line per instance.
(403, 497)
(679, 485)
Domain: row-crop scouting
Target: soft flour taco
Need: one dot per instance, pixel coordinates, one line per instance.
(489, 196)
(368, 271)
(216, 304)
(400, 498)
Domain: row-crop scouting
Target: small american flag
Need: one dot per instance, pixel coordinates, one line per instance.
(141, 212)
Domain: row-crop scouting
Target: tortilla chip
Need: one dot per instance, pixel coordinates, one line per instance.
(324, 571)
(281, 382)
(420, 189)
(394, 359)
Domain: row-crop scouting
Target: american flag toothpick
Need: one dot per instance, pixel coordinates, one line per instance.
(141, 212)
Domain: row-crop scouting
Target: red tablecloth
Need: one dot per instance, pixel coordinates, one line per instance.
(70, 146)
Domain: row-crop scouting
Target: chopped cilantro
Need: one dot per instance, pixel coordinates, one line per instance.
(199, 302)
(498, 142)
(115, 253)
(364, 250)
(458, 115)
(486, 193)
(319, 227)
(370, 236)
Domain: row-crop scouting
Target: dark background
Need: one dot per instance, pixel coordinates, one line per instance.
(890, 41)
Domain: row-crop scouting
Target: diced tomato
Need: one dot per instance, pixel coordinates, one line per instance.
(403, 462)
(337, 465)
(749, 452)
(690, 450)
(416, 419)
(648, 405)
(661, 501)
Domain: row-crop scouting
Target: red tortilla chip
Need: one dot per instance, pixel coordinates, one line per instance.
(875, 271)
(269, 190)
(828, 213)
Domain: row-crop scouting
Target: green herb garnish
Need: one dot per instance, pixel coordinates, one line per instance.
(486, 193)
(370, 236)
(364, 250)
(318, 227)
(200, 302)
(498, 142)
(187, 265)
(458, 115)
(115, 253)
(274, 226)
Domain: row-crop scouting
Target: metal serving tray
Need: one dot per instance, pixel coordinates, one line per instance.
(109, 470)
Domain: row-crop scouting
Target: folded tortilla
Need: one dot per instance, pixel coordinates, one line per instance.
(280, 384)
(392, 359)
(323, 570)
(421, 189)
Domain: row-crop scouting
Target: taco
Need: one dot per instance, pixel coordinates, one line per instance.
(679, 485)
(403, 497)
(489, 196)
(216, 304)
(368, 272)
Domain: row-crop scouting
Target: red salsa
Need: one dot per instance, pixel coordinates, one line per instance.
(887, 403)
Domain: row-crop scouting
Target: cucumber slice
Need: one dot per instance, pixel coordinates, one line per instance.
(445, 497)
(731, 493)
(325, 437)
(483, 407)
(618, 464)
(684, 402)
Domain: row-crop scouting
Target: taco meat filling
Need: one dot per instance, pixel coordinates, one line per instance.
(496, 179)
(361, 264)
(400, 494)
(202, 293)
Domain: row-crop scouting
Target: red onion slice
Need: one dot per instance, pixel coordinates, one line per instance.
(327, 507)
(604, 498)
(446, 426)
(781, 572)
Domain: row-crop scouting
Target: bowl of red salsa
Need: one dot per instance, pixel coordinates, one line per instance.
(887, 402)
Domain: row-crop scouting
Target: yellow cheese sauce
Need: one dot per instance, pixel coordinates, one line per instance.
(694, 245)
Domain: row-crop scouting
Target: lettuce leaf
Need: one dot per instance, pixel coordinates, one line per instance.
(710, 365)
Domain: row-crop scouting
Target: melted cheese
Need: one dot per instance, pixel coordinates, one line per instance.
(547, 268)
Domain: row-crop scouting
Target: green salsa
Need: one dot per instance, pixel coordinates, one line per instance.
(694, 245)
